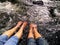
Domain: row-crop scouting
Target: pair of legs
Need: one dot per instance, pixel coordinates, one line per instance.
(14, 39)
(35, 38)
(33, 33)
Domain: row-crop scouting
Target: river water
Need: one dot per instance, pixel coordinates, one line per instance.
(48, 24)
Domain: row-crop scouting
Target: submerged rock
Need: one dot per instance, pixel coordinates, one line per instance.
(39, 14)
(47, 25)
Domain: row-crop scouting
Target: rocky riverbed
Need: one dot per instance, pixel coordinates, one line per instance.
(48, 22)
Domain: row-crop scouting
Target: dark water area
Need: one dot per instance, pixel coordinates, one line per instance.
(50, 30)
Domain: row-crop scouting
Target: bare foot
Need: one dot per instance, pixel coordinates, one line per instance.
(20, 32)
(33, 25)
(11, 31)
(23, 26)
(19, 23)
(36, 33)
(30, 35)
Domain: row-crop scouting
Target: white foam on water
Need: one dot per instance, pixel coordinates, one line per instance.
(8, 7)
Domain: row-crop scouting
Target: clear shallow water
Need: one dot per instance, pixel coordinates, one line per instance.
(9, 18)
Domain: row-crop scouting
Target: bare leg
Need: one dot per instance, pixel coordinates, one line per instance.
(11, 31)
(30, 35)
(36, 34)
(31, 40)
(20, 32)
(14, 39)
(38, 37)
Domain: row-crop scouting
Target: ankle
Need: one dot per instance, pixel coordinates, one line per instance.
(30, 35)
(37, 35)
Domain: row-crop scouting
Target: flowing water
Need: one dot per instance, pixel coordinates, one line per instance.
(48, 23)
